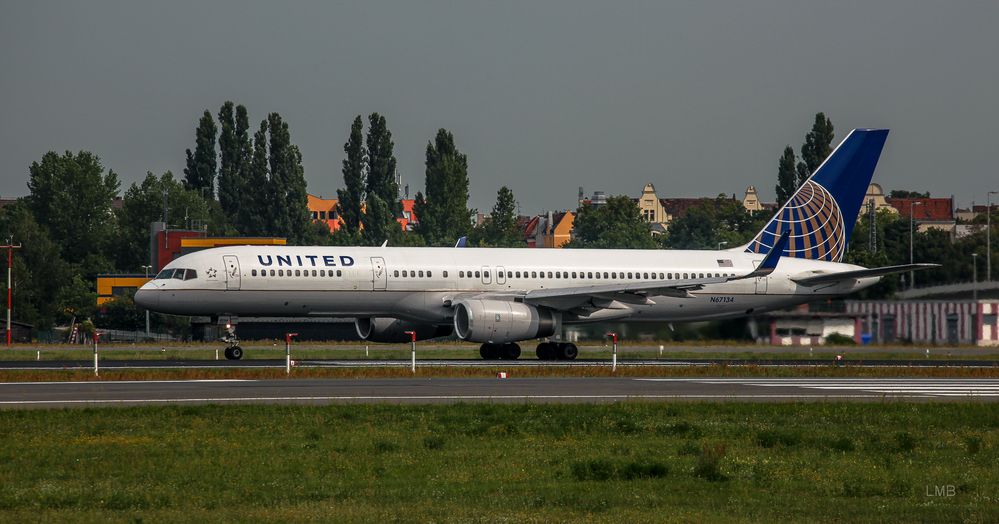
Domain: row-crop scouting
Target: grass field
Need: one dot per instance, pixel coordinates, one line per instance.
(629, 462)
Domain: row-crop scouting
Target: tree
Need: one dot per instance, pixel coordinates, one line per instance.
(71, 197)
(616, 224)
(235, 151)
(144, 203)
(40, 273)
(902, 193)
(500, 229)
(381, 187)
(254, 215)
(289, 200)
(443, 211)
(711, 222)
(200, 171)
(350, 197)
(817, 147)
(787, 181)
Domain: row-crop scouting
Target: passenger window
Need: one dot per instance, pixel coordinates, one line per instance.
(485, 274)
(272, 272)
(518, 274)
(589, 274)
(445, 273)
(339, 273)
(614, 274)
(314, 273)
(549, 274)
(421, 272)
(405, 272)
(461, 274)
(322, 273)
(477, 275)
(605, 275)
(298, 273)
(646, 276)
(534, 274)
(253, 272)
(661, 276)
(429, 273)
(280, 272)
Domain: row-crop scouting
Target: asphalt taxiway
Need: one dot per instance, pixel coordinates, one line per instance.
(454, 390)
(51, 365)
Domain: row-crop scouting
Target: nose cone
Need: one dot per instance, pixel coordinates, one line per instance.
(147, 297)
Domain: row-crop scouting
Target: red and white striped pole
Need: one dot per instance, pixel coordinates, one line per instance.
(412, 341)
(614, 356)
(10, 267)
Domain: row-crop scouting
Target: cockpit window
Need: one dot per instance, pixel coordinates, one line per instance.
(179, 274)
(164, 274)
(191, 274)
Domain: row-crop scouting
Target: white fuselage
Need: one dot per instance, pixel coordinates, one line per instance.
(419, 284)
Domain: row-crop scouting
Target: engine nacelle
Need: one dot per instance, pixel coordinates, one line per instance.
(394, 330)
(501, 321)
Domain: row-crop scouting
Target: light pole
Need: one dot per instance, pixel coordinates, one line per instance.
(146, 268)
(10, 267)
(988, 235)
(912, 274)
(974, 273)
(720, 244)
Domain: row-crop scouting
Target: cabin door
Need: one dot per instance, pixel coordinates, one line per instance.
(232, 276)
(379, 277)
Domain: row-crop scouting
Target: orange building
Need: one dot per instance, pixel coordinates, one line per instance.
(558, 229)
(324, 210)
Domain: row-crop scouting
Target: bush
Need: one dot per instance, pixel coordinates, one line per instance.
(709, 463)
(842, 444)
(772, 438)
(433, 442)
(839, 339)
(603, 470)
(904, 442)
(974, 444)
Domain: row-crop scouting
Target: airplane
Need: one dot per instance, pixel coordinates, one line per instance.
(498, 297)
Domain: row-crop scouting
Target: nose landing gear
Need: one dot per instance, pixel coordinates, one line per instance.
(232, 349)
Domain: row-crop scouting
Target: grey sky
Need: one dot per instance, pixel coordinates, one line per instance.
(697, 97)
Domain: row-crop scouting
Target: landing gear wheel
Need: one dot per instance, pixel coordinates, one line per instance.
(489, 352)
(233, 353)
(567, 351)
(545, 351)
(510, 351)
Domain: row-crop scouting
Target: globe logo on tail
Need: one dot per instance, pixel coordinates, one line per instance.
(816, 224)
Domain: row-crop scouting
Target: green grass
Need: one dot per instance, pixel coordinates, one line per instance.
(628, 462)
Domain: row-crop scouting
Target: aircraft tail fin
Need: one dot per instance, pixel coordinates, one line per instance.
(821, 213)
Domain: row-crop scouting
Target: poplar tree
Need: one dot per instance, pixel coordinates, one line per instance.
(234, 149)
(382, 189)
(350, 197)
(201, 164)
(254, 216)
(817, 146)
(501, 228)
(289, 198)
(787, 181)
(443, 212)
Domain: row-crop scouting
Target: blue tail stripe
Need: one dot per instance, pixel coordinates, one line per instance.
(831, 198)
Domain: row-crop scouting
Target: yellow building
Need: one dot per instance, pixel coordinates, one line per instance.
(110, 287)
(557, 229)
(651, 207)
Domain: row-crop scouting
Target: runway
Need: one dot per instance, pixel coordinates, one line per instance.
(349, 363)
(454, 390)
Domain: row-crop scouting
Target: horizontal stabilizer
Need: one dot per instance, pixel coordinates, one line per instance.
(769, 263)
(812, 279)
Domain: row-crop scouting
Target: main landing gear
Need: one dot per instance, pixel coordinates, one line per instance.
(557, 351)
(510, 351)
(232, 349)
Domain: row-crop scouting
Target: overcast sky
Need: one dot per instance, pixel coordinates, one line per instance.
(699, 98)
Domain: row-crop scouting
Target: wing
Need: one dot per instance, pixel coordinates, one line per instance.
(814, 279)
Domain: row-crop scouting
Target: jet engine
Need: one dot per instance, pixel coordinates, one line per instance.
(500, 321)
(380, 329)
